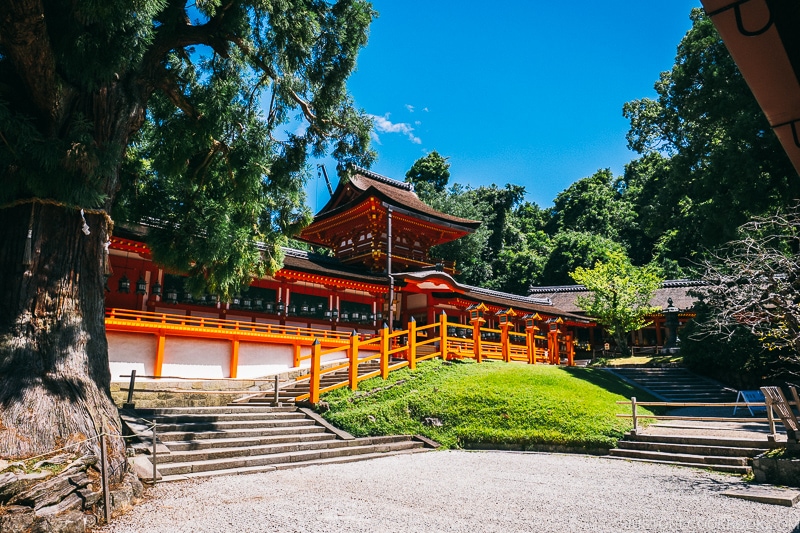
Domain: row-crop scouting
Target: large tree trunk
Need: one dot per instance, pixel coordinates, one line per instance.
(54, 372)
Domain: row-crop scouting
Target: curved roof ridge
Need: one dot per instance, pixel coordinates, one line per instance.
(668, 283)
(383, 179)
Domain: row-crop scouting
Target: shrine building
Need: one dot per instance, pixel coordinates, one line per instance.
(380, 272)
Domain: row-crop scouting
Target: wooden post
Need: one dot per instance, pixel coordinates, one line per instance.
(412, 344)
(385, 351)
(313, 392)
(129, 404)
(234, 358)
(476, 339)
(276, 390)
(159, 364)
(104, 473)
(504, 344)
(552, 347)
(570, 350)
(296, 355)
(352, 353)
(443, 334)
(530, 344)
(633, 412)
(155, 461)
(770, 418)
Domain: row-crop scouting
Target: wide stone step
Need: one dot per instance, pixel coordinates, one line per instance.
(741, 470)
(306, 427)
(692, 449)
(235, 424)
(341, 448)
(208, 454)
(215, 443)
(705, 460)
(225, 409)
(698, 440)
(296, 464)
(226, 418)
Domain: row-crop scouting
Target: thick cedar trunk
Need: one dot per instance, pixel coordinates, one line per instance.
(54, 372)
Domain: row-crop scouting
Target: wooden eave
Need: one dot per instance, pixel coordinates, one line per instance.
(763, 37)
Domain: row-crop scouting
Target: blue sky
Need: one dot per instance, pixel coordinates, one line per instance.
(523, 92)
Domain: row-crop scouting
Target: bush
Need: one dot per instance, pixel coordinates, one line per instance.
(740, 360)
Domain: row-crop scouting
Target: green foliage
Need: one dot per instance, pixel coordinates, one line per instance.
(739, 360)
(491, 405)
(621, 294)
(710, 160)
(572, 250)
(155, 109)
(432, 171)
(593, 205)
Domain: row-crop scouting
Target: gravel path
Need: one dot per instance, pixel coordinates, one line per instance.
(458, 491)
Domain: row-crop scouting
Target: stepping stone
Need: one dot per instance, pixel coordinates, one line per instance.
(766, 494)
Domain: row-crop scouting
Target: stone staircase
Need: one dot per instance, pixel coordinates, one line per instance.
(723, 446)
(210, 441)
(676, 385)
(722, 454)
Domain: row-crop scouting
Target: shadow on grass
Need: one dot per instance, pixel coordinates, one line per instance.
(613, 384)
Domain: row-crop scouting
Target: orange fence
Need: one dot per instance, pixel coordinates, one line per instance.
(406, 348)
(393, 350)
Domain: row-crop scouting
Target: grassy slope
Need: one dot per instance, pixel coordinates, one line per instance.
(490, 405)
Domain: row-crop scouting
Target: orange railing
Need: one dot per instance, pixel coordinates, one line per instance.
(421, 343)
(163, 325)
(393, 350)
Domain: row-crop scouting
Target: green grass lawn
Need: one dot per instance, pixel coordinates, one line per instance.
(490, 405)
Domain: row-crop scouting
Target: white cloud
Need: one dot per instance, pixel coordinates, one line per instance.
(425, 109)
(410, 108)
(384, 125)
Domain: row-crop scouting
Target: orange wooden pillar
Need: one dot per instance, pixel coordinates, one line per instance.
(316, 360)
(530, 341)
(477, 349)
(443, 334)
(412, 344)
(570, 349)
(476, 312)
(295, 355)
(506, 347)
(552, 346)
(353, 356)
(385, 351)
(504, 316)
(159, 363)
(234, 358)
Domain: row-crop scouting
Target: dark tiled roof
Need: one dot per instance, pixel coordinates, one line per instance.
(303, 261)
(536, 304)
(399, 194)
(564, 296)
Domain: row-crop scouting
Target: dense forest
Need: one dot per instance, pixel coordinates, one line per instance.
(707, 163)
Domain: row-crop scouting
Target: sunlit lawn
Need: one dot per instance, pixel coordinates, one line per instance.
(502, 405)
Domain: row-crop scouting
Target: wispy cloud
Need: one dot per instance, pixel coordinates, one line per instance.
(384, 125)
(410, 108)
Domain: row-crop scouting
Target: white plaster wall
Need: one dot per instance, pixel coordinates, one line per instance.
(258, 359)
(196, 358)
(130, 351)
